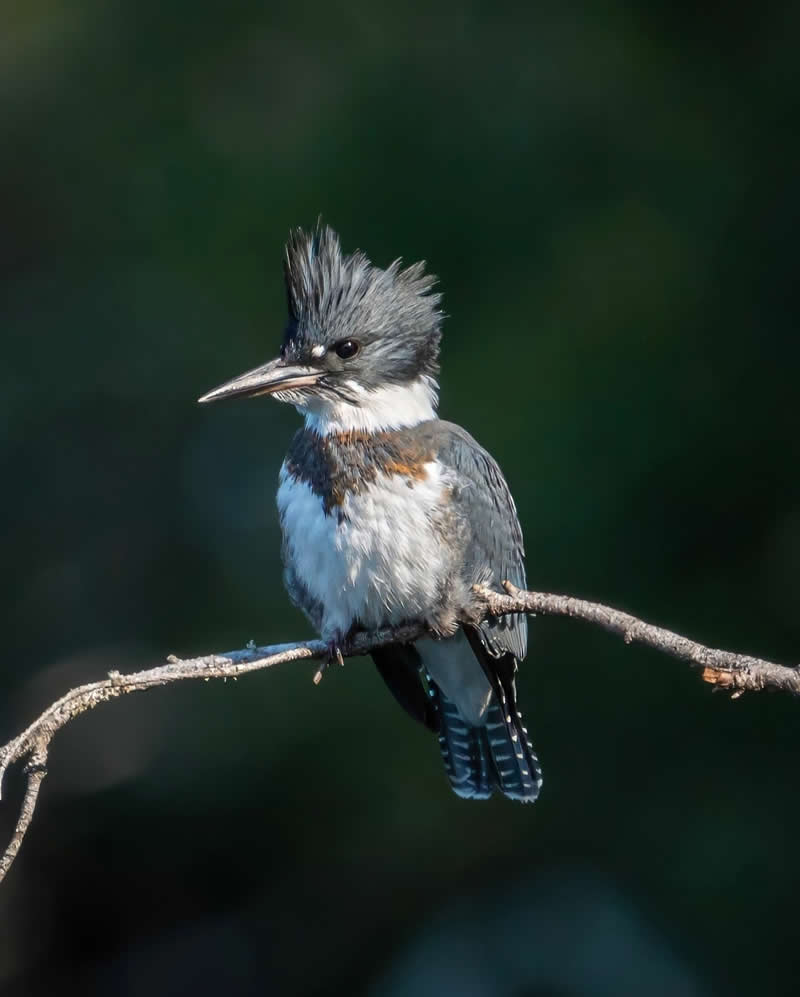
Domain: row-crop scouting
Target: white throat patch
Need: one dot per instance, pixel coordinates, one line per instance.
(392, 407)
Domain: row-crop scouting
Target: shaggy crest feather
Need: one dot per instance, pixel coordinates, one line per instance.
(332, 296)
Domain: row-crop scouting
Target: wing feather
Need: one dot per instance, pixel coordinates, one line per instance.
(495, 550)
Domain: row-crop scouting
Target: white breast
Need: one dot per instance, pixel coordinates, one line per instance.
(380, 561)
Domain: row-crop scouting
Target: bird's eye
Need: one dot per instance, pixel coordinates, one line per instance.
(346, 349)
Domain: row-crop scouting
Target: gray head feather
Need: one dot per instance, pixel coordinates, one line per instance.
(390, 313)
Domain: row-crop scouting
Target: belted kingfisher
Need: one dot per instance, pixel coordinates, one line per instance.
(390, 515)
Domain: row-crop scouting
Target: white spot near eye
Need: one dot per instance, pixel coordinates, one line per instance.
(317, 352)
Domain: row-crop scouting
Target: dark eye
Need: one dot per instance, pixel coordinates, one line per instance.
(346, 348)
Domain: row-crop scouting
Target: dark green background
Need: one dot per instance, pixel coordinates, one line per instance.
(610, 197)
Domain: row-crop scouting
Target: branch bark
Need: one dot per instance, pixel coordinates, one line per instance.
(738, 673)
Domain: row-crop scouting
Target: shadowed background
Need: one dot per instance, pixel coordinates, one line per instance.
(610, 200)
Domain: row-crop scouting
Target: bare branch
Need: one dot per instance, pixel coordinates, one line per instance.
(737, 673)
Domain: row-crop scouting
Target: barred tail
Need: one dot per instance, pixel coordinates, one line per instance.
(515, 766)
(490, 751)
(464, 749)
(497, 754)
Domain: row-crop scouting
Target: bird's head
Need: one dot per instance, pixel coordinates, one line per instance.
(361, 347)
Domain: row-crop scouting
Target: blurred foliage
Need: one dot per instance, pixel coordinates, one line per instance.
(610, 199)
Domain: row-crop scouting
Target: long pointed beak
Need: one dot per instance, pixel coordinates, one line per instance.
(265, 380)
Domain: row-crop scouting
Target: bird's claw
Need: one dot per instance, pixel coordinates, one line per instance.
(333, 653)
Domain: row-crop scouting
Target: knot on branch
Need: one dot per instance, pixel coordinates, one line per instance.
(722, 679)
(35, 767)
(752, 675)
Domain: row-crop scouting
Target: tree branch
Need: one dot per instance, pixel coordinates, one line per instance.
(737, 673)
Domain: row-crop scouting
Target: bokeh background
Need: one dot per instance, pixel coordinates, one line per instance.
(609, 195)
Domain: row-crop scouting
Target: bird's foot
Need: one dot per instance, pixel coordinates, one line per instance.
(440, 628)
(338, 645)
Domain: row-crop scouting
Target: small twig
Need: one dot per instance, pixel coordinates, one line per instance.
(736, 672)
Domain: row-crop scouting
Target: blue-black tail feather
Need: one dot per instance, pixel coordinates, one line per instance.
(516, 767)
(465, 750)
(497, 754)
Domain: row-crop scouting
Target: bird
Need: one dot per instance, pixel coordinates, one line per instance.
(390, 515)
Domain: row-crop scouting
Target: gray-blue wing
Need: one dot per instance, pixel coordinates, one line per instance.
(494, 547)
